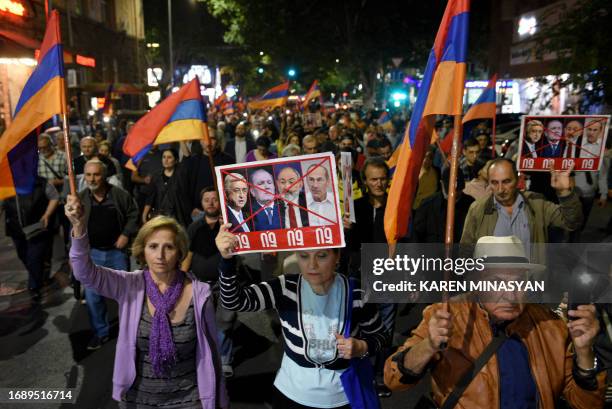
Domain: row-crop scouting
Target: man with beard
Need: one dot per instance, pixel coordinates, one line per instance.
(203, 261)
(293, 208)
(203, 256)
(112, 218)
(238, 147)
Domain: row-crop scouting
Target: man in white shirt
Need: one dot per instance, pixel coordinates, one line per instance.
(237, 193)
(290, 186)
(319, 199)
(573, 138)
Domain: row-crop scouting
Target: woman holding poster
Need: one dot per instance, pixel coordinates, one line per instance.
(312, 307)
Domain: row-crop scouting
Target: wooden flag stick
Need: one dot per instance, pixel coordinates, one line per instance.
(450, 208)
(68, 149)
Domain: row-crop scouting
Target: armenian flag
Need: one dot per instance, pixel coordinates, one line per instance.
(384, 120)
(42, 97)
(272, 98)
(180, 117)
(220, 100)
(485, 106)
(313, 92)
(441, 92)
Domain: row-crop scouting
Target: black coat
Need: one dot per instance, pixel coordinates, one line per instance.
(230, 147)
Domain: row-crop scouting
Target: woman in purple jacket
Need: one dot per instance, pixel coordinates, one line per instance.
(166, 350)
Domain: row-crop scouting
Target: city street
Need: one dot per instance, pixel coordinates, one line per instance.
(46, 348)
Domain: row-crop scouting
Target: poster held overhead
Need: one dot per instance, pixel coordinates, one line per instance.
(562, 141)
(283, 204)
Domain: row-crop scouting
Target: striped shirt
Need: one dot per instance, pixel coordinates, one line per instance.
(283, 294)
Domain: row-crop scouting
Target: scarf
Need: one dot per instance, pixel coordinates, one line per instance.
(162, 350)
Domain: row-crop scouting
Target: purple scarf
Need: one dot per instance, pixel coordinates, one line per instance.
(162, 351)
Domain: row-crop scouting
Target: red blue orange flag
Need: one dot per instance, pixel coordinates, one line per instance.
(42, 97)
(441, 92)
(220, 100)
(313, 92)
(384, 120)
(485, 105)
(272, 98)
(483, 108)
(179, 117)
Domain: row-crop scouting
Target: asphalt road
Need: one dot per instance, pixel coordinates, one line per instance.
(45, 347)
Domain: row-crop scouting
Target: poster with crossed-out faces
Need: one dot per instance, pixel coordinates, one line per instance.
(283, 204)
(562, 142)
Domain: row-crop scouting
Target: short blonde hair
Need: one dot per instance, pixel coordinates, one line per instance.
(181, 240)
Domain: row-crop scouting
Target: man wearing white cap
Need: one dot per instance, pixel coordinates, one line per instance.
(502, 352)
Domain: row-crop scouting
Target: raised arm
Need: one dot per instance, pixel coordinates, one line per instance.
(256, 297)
(109, 283)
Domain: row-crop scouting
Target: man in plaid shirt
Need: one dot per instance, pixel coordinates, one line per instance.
(51, 163)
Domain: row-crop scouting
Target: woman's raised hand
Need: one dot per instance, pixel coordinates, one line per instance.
(75, 213)
(226, 241)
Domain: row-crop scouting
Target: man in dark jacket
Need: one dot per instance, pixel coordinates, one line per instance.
(27, 222)
(112, 216)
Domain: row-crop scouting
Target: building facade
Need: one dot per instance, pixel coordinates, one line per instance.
(103, 47)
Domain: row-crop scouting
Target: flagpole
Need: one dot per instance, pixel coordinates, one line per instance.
(454, 165)
(68, 149)
(66, 123)
(493, 132)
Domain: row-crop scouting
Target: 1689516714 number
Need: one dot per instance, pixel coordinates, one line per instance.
(26, 394)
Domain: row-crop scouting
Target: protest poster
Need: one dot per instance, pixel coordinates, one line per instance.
(312, 121)
(282, 204)
(346, 168)
(562, 141)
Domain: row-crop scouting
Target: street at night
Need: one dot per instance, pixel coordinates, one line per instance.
(305, 204)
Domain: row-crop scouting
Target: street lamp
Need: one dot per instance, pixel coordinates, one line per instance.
(260, 70)
(170, 42)
(291, 72)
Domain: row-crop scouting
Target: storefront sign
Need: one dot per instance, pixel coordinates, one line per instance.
(13, 7)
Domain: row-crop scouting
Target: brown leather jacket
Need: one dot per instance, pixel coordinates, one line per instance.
(545, 336)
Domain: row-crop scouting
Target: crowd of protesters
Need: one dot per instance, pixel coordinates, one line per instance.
(177, 313)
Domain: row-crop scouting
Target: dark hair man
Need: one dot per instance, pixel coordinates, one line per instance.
(527, 215)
